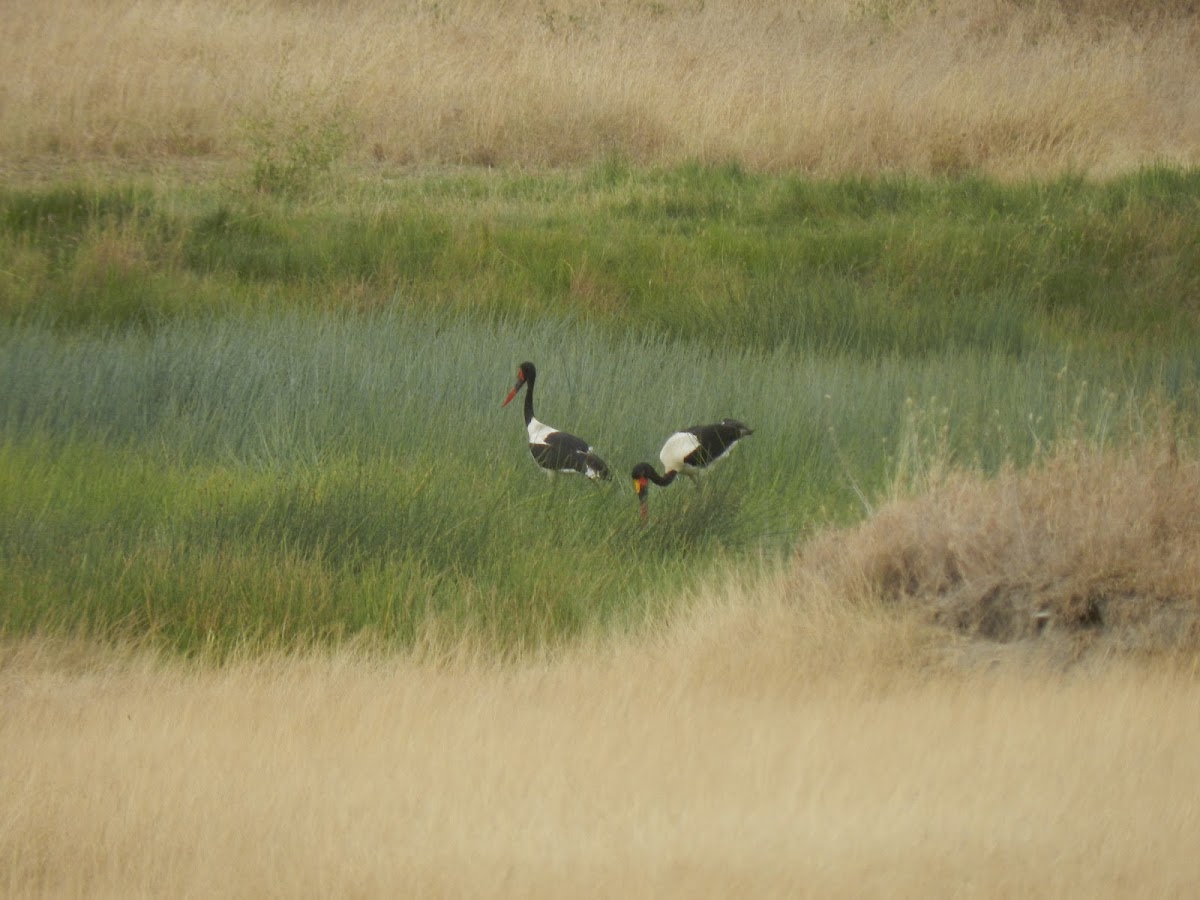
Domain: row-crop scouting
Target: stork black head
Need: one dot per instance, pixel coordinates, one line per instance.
(643, 474)
(526, 373)
(742, 428)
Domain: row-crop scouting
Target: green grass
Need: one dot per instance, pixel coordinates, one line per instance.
(230, 419)
(711, 255)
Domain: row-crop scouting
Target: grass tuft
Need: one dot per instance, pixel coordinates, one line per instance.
(1088, 550)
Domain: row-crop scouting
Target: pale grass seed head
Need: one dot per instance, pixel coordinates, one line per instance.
(826, 87)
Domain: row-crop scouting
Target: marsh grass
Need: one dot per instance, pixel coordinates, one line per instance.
(314, 478)
(240, 417)
(219, 483)
(701, 254)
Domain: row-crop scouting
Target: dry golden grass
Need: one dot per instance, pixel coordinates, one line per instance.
(826, 86)
(760, 746)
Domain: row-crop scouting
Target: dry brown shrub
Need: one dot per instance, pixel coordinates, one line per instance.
(1090, 549)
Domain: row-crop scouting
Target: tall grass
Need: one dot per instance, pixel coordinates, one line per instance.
(717, 255)
(867, 86)
(757, 746)
(253, 342)
(230, 416)
(311, 477)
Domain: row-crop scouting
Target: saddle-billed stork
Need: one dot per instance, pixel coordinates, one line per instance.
(554, 450)
(687, 452)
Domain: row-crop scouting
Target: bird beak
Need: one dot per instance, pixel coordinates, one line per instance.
(516, 387)
(639, 488)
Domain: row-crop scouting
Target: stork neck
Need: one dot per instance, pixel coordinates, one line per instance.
(663, 480)
(529, 400)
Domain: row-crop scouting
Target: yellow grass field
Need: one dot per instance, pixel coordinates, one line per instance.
(755, 749)
(772, 739)
(1005, 87)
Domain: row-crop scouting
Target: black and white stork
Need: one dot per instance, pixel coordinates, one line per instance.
(554, 450)
(688, 452)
